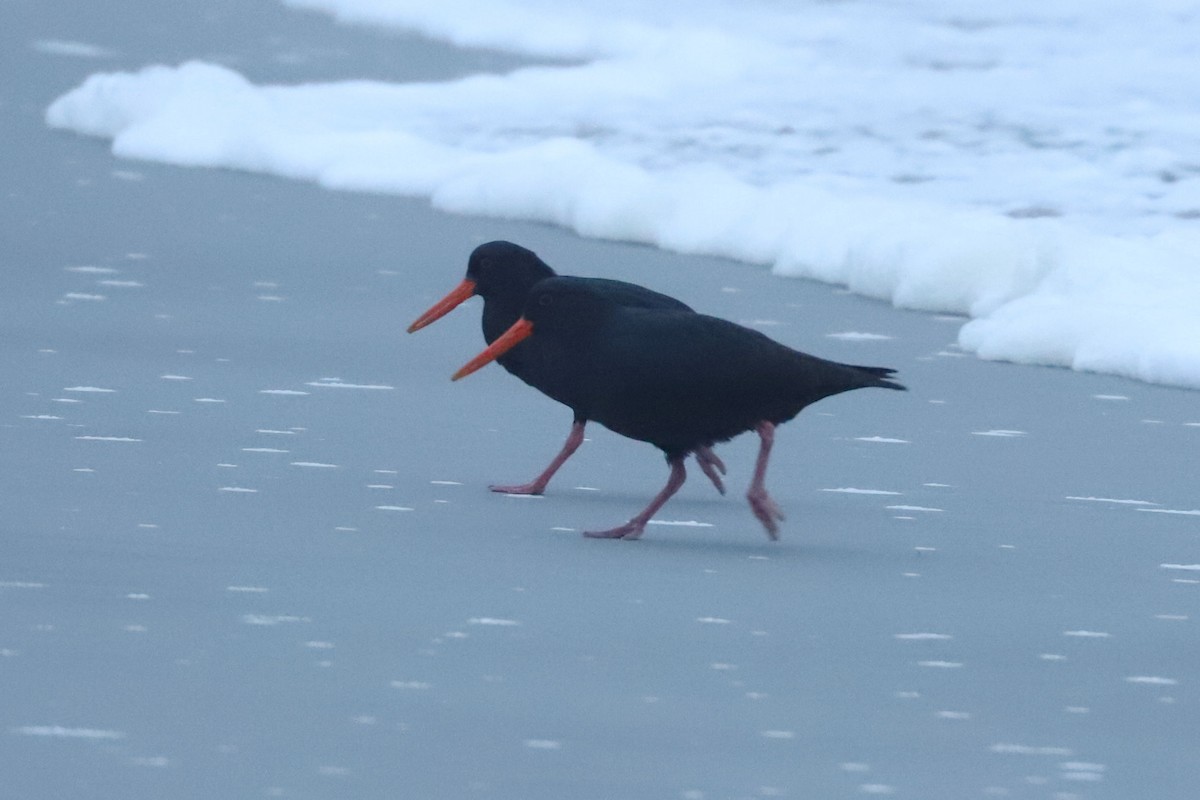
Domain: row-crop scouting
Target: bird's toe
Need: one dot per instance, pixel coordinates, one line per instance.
(712, 475)
(628, 531)
(767, 511)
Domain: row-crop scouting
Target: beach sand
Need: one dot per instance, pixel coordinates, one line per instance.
(248, 549)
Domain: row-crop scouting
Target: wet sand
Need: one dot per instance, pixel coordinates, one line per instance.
(248, 548)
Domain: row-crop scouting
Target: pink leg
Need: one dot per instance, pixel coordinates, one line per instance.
(712, 465)
(766, 509)
(538, 484)
(634, 528)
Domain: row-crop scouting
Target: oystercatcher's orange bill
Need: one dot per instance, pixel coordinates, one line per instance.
(521, 330)
(443, 307)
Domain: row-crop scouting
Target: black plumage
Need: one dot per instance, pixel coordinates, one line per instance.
(503, 273)
(678, 380)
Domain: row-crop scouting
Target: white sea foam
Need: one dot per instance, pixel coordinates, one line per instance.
(953, 715)
(62, 732)
(333, 383)
(778, 734)
(1116, 500)
(92, 270)
(923, 637)
(858, 336)
(1031, 750)
(1152, 680)
(543, 744)
(272, 619)
(72, 49)
(1028, 164)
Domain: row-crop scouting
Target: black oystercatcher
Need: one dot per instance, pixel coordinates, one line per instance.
(502, 273)
(677, 380)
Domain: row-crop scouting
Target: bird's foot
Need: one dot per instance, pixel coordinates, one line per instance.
(712, 466)
(766, 510)
(533, 487)
(630, 530)
(706, 454)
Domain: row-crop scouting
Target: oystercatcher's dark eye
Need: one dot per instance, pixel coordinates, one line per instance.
(545, 300)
